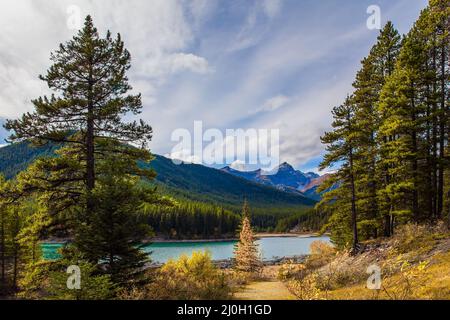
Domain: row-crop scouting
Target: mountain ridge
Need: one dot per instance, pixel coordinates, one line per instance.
(285, 178)
(192, 181)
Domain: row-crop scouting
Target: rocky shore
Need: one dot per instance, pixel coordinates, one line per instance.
(228, 263)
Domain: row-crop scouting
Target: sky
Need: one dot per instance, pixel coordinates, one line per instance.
(264, 64)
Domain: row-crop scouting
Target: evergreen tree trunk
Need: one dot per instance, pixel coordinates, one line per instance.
(354, 221)
(387, 224)
(90, 148)
(448, 218)
(442, 123)
(415, 204)
(435, 139)
(90, 160)
(387, 217)
(15, 266)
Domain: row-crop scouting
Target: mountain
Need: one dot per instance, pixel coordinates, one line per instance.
(310, 190)
(285, 178)
(187, 181)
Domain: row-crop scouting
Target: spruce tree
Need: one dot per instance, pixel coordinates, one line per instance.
(246, 251)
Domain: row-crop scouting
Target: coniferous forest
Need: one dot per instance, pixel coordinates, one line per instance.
(78, 174)
(390, 136)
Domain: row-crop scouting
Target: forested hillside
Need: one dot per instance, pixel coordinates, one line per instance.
(189, 184)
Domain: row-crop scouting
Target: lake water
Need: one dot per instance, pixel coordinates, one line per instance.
(270, 247)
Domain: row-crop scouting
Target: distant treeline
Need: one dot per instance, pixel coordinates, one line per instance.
(307, 221)
(193, 220)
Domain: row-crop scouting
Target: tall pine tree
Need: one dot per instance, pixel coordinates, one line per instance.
(88, 77)
(340, 149)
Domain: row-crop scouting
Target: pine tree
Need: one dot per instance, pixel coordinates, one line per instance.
(246, 251)
(341, 143)
(415, 119)
(369, 81)
(91, 186)
(393, 143)
(88, 76)
(112, 237)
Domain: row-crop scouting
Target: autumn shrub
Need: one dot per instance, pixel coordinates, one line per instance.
(133, 292)
(189, 278)
(402, 279)
(307, 288)
(323, 270)
(321, 254)
(239, 278)
(290, 270)
(418, 237)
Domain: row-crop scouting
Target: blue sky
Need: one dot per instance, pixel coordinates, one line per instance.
(232, 64)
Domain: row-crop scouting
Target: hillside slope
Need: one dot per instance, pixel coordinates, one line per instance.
(413, 264)
(190, 181)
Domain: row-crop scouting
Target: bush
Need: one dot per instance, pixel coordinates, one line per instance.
(307, 288)
(93, 286)
(406, 283)
(321, 254)
(189, 278)
(411, 237)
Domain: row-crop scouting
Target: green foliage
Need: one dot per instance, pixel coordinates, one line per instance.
(93, 286)
(192, 220)
(306, 220)
(191, 188)
(112, 235)
(17, 159)
(341, 148)
(88, 187)
(392, 146)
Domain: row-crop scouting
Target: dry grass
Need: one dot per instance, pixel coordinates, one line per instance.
(432, 283)
(415, 264)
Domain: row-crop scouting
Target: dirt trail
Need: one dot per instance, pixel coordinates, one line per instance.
(265, 290)
(268, 288)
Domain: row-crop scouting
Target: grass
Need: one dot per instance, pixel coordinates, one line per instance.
(433, 283)
(414, 264)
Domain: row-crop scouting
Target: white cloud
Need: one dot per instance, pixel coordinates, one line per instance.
(155, 32)
(272, 104)
(239, 165)
(182, 61)
(208, 60)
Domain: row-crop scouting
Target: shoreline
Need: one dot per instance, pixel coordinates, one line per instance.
(162, 240)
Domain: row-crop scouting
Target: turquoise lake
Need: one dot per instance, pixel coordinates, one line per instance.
(270, 247)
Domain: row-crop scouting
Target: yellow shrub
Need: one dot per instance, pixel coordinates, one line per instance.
(321, 254)
(420, 238)
(190, 278)
(306, 288)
